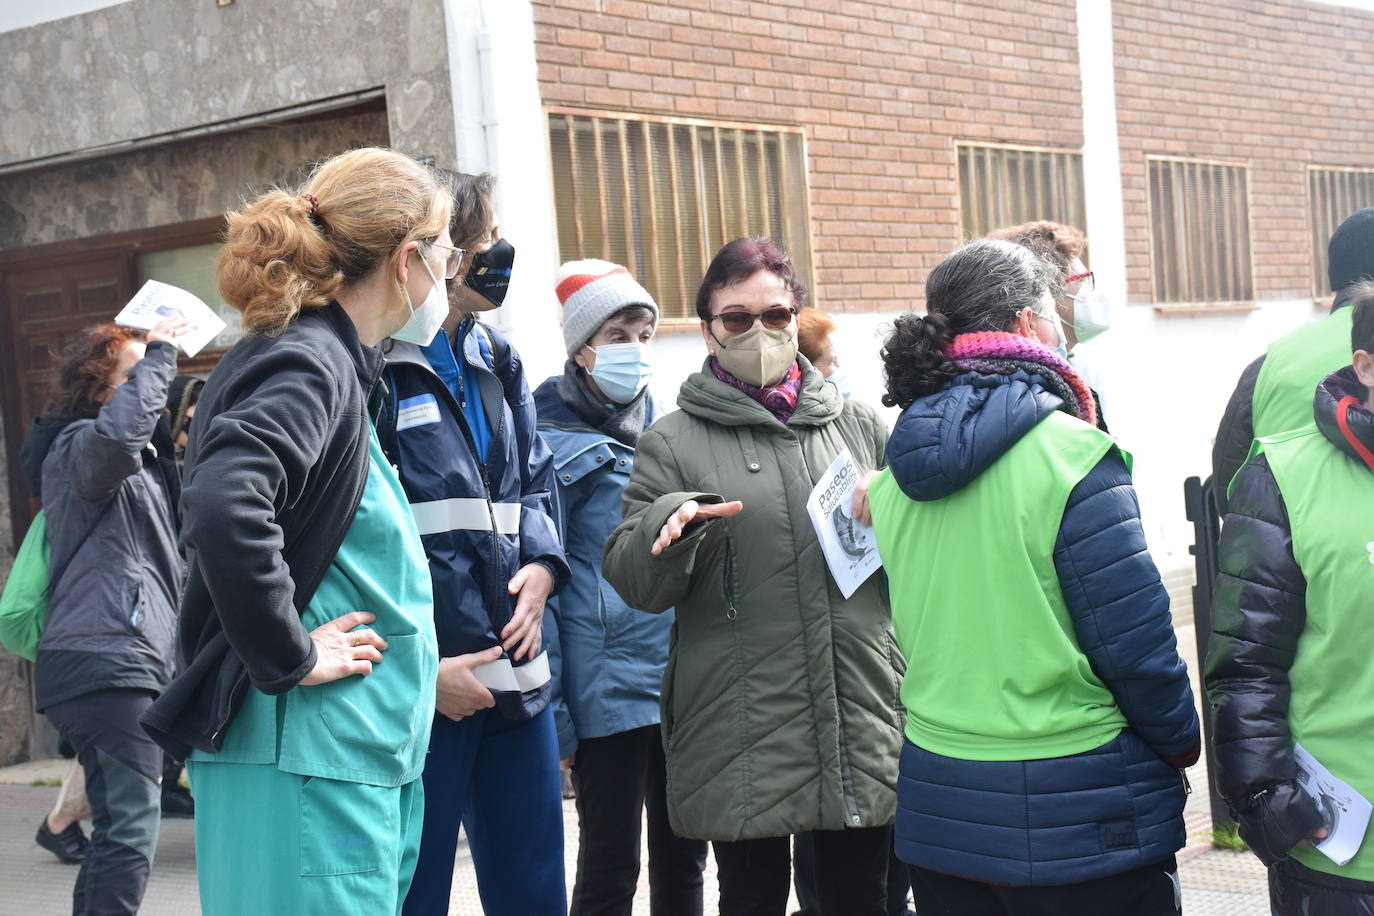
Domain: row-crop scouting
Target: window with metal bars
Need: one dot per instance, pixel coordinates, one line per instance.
(661, 196)
(1199, 232)
(1332, 195)
(1003, 186)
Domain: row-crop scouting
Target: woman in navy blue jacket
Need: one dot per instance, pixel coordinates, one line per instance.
(459, 425)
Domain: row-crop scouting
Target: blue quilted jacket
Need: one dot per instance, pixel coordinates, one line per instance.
(1069, 819)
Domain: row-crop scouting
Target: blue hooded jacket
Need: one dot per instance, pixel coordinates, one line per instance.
(1021, 823)
(607, 658)
(480, 521)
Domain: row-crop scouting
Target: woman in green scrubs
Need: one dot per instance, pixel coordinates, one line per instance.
(307, 624)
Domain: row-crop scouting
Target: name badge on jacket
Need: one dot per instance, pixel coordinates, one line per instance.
(417, 411)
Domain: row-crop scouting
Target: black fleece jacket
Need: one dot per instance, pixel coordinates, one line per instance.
(274, 473)
(1259, 611)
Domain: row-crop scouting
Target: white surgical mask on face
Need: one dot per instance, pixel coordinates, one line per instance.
(426, 320)
(1092, 314)
(1061, 348)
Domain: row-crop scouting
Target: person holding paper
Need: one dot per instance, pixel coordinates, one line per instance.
(1288, 660)
(109, 493)
(304, 706)
(779, 701)
(1048, 714)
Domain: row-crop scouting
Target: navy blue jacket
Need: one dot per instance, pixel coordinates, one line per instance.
(1068, 819)
(480, 520)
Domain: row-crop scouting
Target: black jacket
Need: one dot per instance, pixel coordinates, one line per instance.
(274, 473)
(1237, 430)
(1258, 614)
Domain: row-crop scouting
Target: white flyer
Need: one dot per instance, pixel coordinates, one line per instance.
(1345, 812)
(851, 549)
(157, 301)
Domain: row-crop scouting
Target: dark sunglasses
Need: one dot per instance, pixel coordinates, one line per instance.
(774, 318)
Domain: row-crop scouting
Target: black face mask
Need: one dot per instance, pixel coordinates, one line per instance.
(489, 275)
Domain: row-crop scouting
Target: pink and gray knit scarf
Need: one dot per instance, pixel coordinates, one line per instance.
(780, 400)
(1002, 353)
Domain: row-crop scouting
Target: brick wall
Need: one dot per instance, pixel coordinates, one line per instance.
(1277, 86)
(882, 89)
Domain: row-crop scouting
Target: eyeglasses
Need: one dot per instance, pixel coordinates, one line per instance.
(1088, 276)
(455, 260)
(738, 322)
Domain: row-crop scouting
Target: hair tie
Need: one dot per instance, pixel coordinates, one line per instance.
(314, 204)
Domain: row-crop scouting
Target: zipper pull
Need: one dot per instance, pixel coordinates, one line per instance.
(462, 393)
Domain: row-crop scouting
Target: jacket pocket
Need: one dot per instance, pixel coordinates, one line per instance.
(345, 827)
(379, 713)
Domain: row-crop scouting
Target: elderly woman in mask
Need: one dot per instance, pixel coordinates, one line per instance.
(780, 698)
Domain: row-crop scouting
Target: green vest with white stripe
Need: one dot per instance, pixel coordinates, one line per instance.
(1330, 501)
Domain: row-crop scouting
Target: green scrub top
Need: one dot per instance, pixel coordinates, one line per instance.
(371, 729)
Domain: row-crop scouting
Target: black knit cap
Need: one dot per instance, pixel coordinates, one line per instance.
(1350, 254)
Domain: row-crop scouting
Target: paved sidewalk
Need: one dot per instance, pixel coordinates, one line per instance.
(32, 883)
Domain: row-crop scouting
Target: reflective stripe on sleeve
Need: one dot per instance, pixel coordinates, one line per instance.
(502, 675)
(467, 514)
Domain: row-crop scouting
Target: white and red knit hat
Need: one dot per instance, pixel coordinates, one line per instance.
(592, 291)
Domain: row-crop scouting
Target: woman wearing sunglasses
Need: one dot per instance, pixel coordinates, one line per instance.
(779, 701)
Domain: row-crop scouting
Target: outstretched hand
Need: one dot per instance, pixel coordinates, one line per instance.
(687, 513)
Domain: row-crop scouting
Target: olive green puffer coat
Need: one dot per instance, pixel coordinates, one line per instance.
(780, 700)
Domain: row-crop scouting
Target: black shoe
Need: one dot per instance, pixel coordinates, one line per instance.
(177, 802)
(69, 846)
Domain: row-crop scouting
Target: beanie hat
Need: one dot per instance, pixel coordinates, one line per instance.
(1350, 254)
(592, 291)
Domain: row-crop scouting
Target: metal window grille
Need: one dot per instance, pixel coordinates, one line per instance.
(1199, 232)
(1333, 194)
(662, 196)
(1005, 186)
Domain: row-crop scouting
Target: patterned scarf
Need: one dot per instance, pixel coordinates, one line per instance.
(780, 400)
(1002, 353)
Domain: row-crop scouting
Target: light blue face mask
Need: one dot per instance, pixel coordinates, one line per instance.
(840, 379)
(622, 370)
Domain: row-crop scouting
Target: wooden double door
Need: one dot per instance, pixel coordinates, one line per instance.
(50, 292)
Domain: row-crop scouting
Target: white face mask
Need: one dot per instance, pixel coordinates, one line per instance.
(1092, 314)
(426, 320)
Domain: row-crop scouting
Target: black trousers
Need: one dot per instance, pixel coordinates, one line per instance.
(122, 767)
(617, 778)
(1151, 890)
(850, 873)
(1295, 890)
(804, 879)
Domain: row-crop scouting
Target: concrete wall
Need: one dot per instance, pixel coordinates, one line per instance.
(150, 67)
(171, 184)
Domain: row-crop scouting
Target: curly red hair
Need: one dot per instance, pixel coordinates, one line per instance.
(86, 366)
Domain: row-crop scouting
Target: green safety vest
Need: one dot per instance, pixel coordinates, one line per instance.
(1294, 366)
(1330, 501)
(994, 671)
